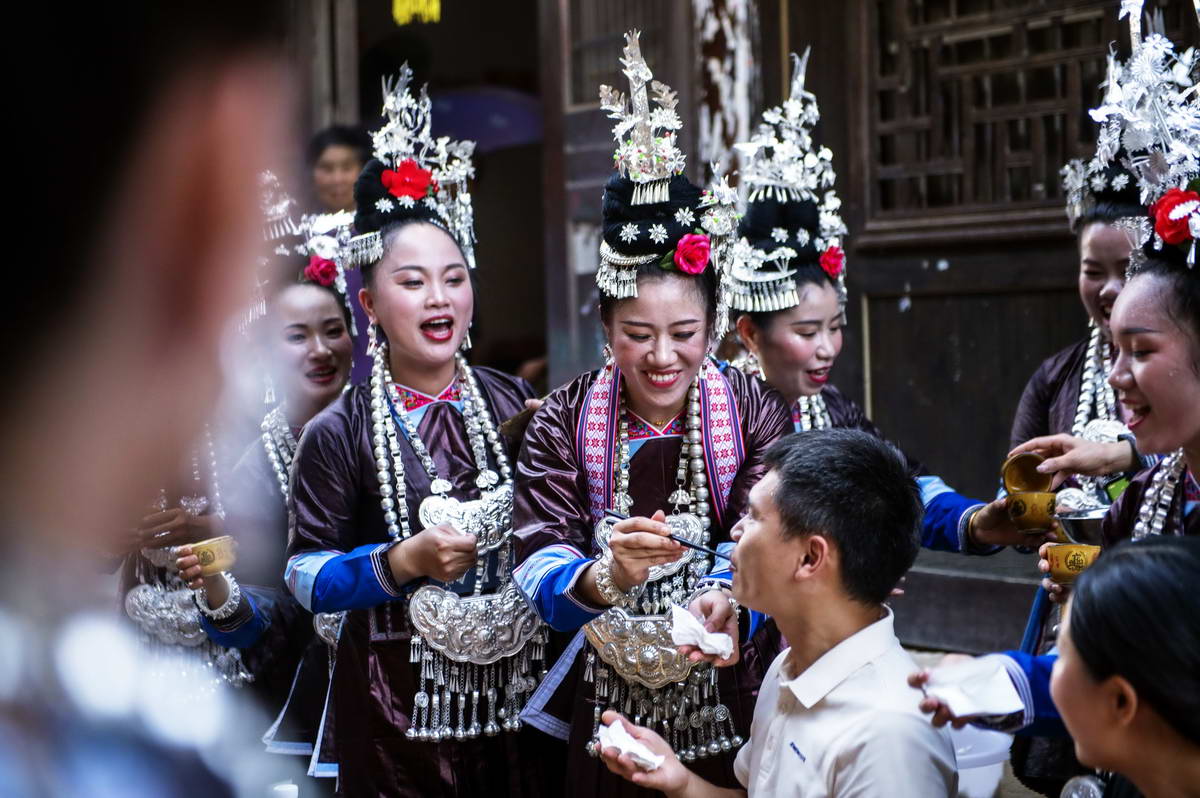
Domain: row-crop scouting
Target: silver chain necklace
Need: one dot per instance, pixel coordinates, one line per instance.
(1156, 502)
(813, 413)
(691, 463)
(279, 444)
(1094, 389)
(481, 431)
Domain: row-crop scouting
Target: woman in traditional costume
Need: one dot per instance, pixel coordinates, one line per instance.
(789, 278)
(661, 434)
(401, 496)
(304, 330)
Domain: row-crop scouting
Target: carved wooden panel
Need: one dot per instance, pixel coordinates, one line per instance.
(973, 106)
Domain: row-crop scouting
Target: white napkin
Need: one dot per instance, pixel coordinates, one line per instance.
(686, 630)
(980, 686)
(617, 736)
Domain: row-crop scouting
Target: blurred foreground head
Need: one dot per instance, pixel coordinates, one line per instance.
(153, 120)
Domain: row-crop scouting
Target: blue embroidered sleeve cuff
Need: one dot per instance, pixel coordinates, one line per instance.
(965, 544)
(944, 523)
(547, 580)
(1031, 677)
(242, 629)
(329, 581)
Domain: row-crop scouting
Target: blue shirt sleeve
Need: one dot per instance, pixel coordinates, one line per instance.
(330, 581)
(947, 515)
(243, 628)
(1031, 677)
(547, 580)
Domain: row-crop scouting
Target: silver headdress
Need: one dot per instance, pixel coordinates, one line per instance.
(1151, 125)
(315, 237)
(412, 176)
(652, 212)
(792, 212)
(649, 160)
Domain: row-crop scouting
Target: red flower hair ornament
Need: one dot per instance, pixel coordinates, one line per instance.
(1172, 215)
(409, 180)
(833, 261)
(321, 271)
(691, 253)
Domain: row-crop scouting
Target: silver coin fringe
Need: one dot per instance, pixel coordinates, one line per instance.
(769, 295)
(616, 281)
(651, 193)
(495, 693)
(689, 714)
(364, 250)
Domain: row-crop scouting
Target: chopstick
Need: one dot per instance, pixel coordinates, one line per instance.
(676, 538)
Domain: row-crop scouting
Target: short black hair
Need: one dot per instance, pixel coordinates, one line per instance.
(339, 136)
(1134, 614)
(855, 489)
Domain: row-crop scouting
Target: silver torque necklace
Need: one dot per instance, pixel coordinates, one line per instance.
(1094, 389)
(279, 444)
(1156, 502)
(387, 414)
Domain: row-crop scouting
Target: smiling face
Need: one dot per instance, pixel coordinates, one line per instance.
(799, 346)
(1103, 259)
(659, 340)
(333, 177)
(310, 348)
(1157, 372)
(421, 296)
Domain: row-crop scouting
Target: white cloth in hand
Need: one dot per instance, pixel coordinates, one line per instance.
(980, 686)
(687, 631)
(617, 736)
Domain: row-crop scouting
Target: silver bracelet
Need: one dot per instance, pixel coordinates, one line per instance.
(607, 587)
(232, 601)
(706, 585)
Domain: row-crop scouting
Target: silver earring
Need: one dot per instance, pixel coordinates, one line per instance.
(607, 353)
(269, 394)
(465, 346)
(372, 339)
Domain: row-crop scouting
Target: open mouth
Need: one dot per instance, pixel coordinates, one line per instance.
(662, 379)
(1137, 413)
(818, 375)
(323, 375)
(440, 328)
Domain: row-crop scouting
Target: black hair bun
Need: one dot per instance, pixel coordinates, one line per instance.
(1167, 253)
(768, 214)
(619, 211)
(1128, 195)
(369, 189)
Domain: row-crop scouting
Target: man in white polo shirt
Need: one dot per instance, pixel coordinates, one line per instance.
(832, 528)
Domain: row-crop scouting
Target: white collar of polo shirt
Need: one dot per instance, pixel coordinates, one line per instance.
(839, 662)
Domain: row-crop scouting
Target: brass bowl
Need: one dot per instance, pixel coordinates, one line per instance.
(1031, 510)
(1083, 526)
(1069, 560)
(215, 554)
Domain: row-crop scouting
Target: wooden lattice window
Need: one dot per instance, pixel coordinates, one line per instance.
(597, 35)
(971, 109)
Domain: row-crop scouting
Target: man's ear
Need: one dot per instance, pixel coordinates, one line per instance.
(814, 557)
